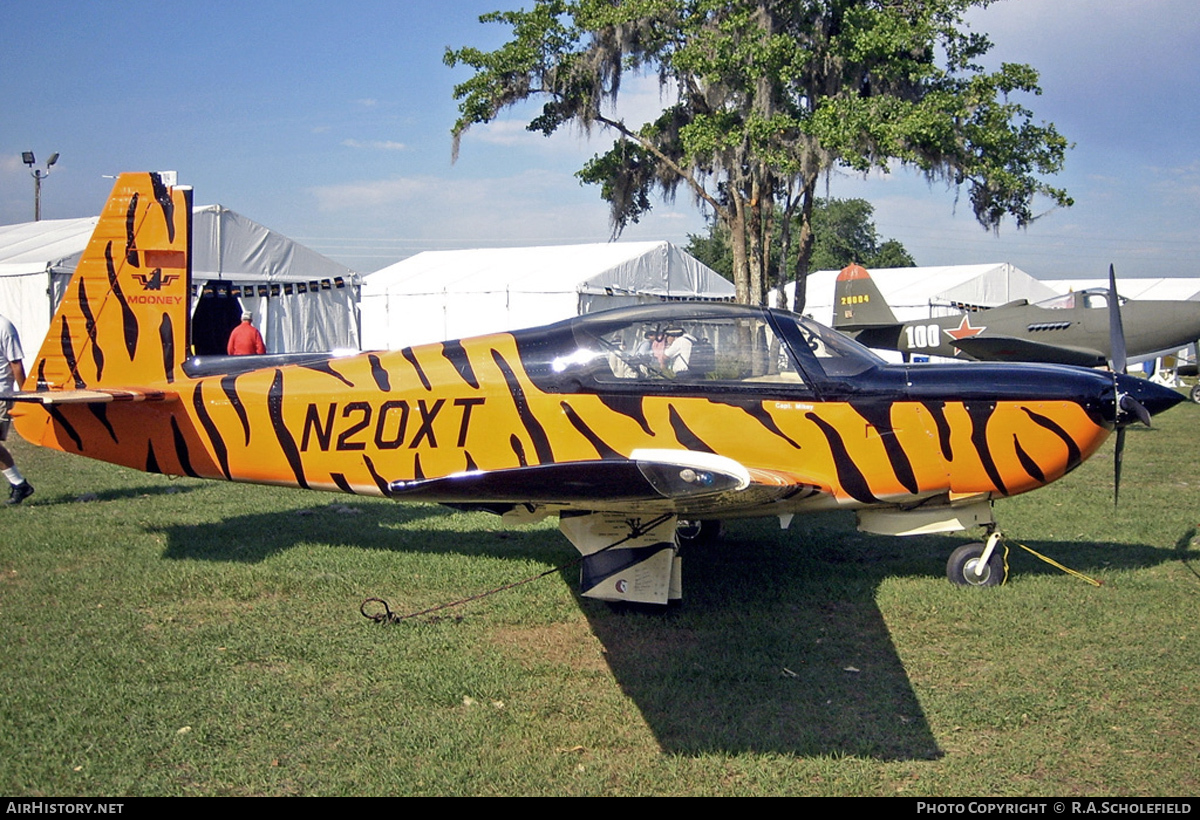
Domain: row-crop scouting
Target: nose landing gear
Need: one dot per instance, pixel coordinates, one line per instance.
(978, 564)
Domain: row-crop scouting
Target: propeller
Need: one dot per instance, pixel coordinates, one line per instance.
(1123, 403)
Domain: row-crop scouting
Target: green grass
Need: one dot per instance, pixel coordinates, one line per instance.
(178, 637)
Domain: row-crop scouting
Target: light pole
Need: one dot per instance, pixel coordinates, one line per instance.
(38, 176)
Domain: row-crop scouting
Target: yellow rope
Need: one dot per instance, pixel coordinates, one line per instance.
(1054, 563)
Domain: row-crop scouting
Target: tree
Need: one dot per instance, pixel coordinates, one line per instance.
(843, 233)
(764, 98)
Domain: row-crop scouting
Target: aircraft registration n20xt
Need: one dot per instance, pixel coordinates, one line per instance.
(623, 423)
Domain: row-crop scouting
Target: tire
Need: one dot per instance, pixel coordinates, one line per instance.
(694, 533)
(960, 569)
(1195, 394)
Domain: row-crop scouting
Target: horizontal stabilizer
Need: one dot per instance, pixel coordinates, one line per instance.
(94, 396)
(1011, 349)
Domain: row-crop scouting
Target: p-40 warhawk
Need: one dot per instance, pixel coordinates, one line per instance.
(628, 424)
(1070, 329)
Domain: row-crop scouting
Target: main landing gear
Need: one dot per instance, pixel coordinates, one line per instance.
(978, 564)
(629, 559)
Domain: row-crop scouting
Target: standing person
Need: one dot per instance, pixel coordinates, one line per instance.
(12, 375)
(678, 354)
(245, 340)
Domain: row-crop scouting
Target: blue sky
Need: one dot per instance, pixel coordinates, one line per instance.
(330, 123)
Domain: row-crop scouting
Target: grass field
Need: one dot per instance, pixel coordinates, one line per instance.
(179, 637)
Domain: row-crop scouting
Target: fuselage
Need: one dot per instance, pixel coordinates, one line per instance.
(777, 397)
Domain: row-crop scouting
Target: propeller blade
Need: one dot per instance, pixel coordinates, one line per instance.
(1117, 464)
(1116, 338)
(1116, 332)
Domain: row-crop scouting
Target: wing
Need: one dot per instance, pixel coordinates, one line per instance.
(668, 480)
(96, 396)
(1014, 349)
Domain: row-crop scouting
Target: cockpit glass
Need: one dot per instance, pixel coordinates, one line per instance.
(1089, 298)
(1064, 302)
(718, 349)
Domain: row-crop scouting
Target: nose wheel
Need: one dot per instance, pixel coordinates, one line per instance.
(978, 564)
(696, 533)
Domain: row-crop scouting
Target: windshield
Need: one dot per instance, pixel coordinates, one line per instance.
(838, 355)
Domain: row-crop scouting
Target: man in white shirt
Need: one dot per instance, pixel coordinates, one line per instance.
(12, 374)
(678, 354)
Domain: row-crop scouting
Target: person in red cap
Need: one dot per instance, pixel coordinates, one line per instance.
(245, 340)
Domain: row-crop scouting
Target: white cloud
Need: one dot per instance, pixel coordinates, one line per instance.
(375, 145)
(370, 193)
(640, 101)
(531, 208)
(1179, 185)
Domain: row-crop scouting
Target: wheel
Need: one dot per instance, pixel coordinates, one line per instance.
(695, 533)
(1196, 392)
(962, 567)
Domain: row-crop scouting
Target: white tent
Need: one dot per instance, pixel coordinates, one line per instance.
(440, 295)
(36, 261)
(922, 292)
(1170, 288)
(301, 300)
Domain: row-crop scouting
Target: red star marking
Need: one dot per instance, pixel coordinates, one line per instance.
(964, 330)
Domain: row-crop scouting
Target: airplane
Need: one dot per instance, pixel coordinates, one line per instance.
(1068, 329)
(638, 447)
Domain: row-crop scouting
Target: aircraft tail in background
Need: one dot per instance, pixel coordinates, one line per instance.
(858, 304)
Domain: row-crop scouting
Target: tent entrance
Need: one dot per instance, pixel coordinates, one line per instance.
(215, 317)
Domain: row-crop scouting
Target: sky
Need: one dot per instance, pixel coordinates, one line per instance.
(330, 122)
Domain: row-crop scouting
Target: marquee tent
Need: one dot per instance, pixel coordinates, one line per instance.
(302, 301)
(1172, 288)
(440, 295)
(36, 261)
(922, 292)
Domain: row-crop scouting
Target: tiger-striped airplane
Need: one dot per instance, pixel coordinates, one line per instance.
(630, 425)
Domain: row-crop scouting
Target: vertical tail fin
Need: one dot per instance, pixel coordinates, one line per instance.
(857, 302)
(123, 320)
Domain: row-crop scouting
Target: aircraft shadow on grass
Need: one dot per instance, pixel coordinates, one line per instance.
(114, 494)
(779, 647)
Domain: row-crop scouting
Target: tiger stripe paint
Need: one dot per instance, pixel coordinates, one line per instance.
(428, 421)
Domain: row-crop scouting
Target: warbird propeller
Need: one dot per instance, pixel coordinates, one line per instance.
(1073, 328)
(629, 424)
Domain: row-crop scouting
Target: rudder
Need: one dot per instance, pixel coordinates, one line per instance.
(123, 320)
(858, 303)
